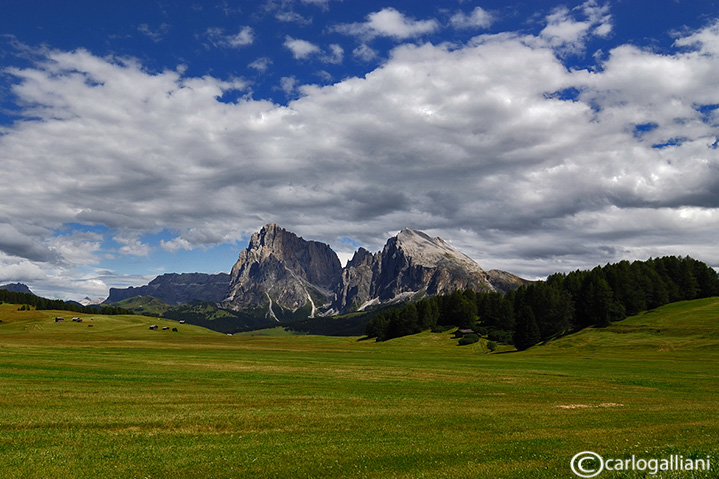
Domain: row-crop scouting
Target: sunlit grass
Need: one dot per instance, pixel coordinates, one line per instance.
(119, 400)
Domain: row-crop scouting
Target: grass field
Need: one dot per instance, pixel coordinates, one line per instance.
(117, 400)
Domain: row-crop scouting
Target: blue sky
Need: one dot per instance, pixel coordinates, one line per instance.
(139, 138)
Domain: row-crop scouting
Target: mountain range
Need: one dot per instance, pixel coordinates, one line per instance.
(174, 288)
(280, 276)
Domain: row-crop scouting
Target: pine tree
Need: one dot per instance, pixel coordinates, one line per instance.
(526, 333)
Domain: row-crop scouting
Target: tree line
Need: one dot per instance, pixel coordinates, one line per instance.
(565, 302)
(39, 303)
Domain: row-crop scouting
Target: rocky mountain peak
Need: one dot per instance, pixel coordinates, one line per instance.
(431, 252)
(361, 256)
(269, 236)
(281, 270)
(411, 264)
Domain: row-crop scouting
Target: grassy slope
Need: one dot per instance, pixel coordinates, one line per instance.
(118, 400)
(143, 305)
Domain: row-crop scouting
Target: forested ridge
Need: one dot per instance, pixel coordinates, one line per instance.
(30, 300)
(563, 303)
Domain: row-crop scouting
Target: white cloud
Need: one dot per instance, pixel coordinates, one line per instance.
(335, 55)
(244, 37)
(365, 53)
(568, 34)
(19, 270)
(176, 244)
(389, 22)
(301, 49)
(261, 64)
(156, 35)
(529, 173)
(131, 244)
(219, 38)
(706, 39)
(77, 248)
(288, 85)
(479, 18)
(324, 4)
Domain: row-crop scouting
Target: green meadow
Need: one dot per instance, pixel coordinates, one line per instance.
(110, 398)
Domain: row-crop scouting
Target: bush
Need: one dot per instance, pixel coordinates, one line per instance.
(468, 339)
(500, 336)
(492, 346)
(482, 330)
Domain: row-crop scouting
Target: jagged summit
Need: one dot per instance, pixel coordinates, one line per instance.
(411, 264)
(429, 251)
(281, 271)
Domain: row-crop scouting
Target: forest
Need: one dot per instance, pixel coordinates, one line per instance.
(563, 303)
(29, 301)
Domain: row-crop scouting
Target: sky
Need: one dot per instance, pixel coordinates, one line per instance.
(146, 137)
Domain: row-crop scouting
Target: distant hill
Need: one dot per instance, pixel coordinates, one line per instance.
(146, 305)
(17, 288)
(39, 327)
(210, 316)
(680, 326)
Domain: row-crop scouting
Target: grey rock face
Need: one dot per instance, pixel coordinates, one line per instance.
(17, 288)
(278, 267)
(356, 285)
(410, 263)
(177, 289)
(505, 282)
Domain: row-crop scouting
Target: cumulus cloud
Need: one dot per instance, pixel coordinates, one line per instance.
(288, 85)
(389, 22)
(365, 53)
(176, 244)
(262, 64)
(528, 173)
(131, 244)
(335, 54)
(568, 30)
(301, 49)
(25, 241)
